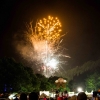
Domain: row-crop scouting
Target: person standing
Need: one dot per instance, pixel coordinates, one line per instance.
(33, 96)
(23, 96)
(82, 96)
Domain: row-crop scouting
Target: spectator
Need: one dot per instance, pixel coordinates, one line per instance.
(45, 98)
(23, 96)
(82, 96)
(33, 96)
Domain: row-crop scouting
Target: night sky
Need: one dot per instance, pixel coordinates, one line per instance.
(80, 20)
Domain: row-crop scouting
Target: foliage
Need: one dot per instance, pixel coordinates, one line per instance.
(89, 67)
(14, 76)
(44, 84)
(19, 78)
(52, 80)
(93, 82)
(78, 75)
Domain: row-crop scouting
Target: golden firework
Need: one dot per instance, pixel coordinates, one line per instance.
(43, 44)
(49, 29)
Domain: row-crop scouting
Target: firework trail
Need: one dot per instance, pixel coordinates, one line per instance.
(43, 44)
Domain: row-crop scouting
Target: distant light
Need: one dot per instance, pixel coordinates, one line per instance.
(12, 96)
(79, 89)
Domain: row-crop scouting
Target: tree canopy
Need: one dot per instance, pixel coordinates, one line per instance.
(16, 77)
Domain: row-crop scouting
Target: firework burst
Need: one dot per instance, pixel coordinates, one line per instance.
(45, 47)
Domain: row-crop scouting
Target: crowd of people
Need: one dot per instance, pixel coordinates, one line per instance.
(35, 96)
(80, 96)
(32, 96)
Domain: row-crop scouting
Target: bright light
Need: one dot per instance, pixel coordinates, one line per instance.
(44, 92)
(79, 89)
(42, 44)
(71, 94)
(52, 63)
(12, 96)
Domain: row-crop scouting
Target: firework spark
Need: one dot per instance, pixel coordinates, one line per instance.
(44, 46)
